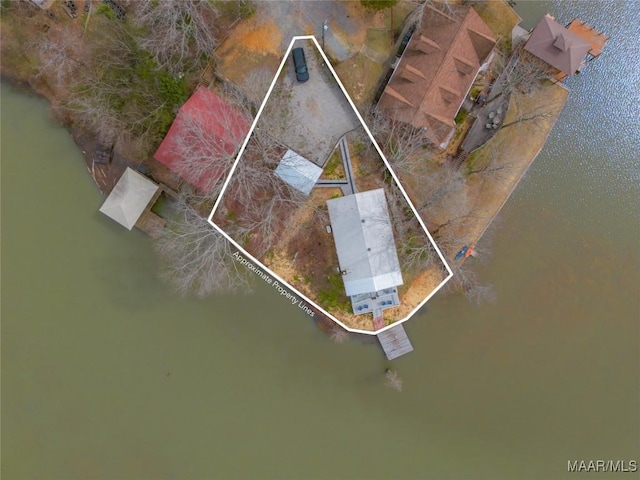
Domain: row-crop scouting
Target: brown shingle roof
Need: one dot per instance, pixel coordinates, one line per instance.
(436, 71)
(557, 46)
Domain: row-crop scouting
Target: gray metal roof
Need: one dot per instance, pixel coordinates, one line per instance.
(298, 172)
(364, 241)
(129, 198)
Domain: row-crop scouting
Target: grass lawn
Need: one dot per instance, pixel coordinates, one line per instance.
(334, 169)
(515, 147)
(359, 75)
(501, 18)
(379, 40)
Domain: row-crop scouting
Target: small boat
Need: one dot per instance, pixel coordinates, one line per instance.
(462, 251)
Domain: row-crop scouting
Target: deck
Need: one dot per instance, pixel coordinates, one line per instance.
(597, 39)
(151, 224)
(395, 342)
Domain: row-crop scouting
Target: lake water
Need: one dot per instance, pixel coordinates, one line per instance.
(106, 374)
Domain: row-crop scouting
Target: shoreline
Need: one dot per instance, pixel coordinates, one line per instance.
(105, 176)
(86, 141)
(487, 195)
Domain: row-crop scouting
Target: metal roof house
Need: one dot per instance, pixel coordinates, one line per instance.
(366, 250)
(129, 198)
(298, 172)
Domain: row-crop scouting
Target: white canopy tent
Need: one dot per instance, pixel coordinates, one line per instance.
(129, 198)
(298, 172)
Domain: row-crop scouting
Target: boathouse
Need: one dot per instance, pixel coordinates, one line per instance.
(366, 250)
(206, 128)
(436, 71)
(130, 198)
(558, 46)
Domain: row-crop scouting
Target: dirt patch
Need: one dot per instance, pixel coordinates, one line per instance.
(380, 40)
(350, 27)
(264, 38)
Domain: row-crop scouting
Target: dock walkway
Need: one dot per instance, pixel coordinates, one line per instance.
(395, 342)
(346, 161)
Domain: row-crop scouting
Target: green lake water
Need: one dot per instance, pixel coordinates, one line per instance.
(108, 375)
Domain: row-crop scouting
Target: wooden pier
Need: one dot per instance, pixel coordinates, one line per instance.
(395, 342)
(151, 224)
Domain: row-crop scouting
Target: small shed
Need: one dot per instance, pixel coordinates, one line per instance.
(129, 198)
(298, 172)
(364, 242)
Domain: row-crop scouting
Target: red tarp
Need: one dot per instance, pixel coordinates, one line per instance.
(206, 127)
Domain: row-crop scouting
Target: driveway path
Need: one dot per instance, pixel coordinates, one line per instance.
(319, 113)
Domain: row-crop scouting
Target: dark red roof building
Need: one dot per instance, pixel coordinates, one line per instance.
(203, 139)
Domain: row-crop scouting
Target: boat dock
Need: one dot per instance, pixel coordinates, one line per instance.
(395, 342)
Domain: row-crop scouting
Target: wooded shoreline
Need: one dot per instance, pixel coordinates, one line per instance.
(488, 184)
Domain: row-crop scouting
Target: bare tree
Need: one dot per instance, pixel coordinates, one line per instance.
(522, 73)
(418, 252)
(98, 99)
(495, 166)
(339, 334)
(448, 8)
(454, 232)
(255, 85)
(405, 147)
(197, 258)
(56, 57)
(265, 200)
(177, 30)
(121, 94)
(254, 173)
(415, 250)
(465, 281)
(534, 116)
(393, 380)
(203, 153)
(93, 112)
(441, 183)
(268, 214)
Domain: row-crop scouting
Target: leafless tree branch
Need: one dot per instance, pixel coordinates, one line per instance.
(197, 259)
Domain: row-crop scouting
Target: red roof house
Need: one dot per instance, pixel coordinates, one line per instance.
(203, 139)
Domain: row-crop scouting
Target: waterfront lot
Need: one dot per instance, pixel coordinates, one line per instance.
(288, 232)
